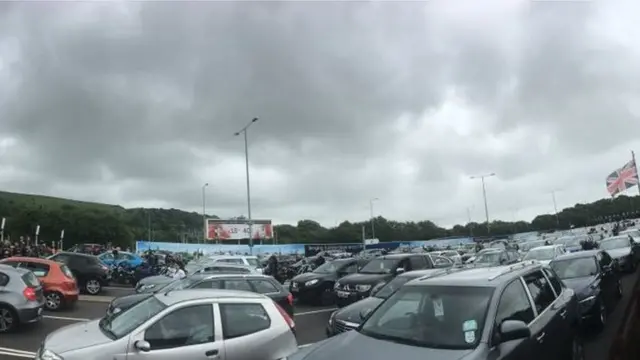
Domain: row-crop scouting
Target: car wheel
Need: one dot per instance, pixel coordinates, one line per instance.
(93, 287)
(577, 348)
(601, 315)
(619, 292)
(8, 320)
(53, 301)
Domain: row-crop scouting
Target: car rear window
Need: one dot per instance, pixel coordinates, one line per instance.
(30, 279)
(65, 270)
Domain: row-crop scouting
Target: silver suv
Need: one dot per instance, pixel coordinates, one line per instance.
(21, 298)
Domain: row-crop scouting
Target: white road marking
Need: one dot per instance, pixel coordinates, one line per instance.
(314, 312)
(64, 318)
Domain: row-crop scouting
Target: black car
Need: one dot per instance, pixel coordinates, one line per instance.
(261, 284)
(350, 316)
(517, 312)
(592, 276)
(496, 257)
(623, 250)
(90, 273)
(380, 270)
(317, 286)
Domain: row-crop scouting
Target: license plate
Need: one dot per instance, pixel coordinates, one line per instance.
(342, 294)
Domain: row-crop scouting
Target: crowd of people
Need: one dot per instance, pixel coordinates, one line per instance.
(24, 247)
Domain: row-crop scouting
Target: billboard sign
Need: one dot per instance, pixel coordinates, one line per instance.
(218, 229)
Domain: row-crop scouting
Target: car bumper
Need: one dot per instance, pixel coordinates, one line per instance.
(306, 294)
(344, 298)
(338, 327)
(70, 297)
(30, 313)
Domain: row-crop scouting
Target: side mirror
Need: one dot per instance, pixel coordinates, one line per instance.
(365, 313)
(142, 345)
(399, 270)
(513, 330)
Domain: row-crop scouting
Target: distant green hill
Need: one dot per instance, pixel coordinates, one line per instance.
(94, 222)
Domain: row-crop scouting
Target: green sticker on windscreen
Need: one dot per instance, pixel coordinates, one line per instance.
(469, 325)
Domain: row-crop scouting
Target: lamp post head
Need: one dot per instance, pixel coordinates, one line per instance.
(254, 120)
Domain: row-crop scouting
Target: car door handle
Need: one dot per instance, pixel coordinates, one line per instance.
(563, 313)
(540, 337)
(211, 353)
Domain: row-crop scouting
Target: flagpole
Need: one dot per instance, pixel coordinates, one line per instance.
(633, 158)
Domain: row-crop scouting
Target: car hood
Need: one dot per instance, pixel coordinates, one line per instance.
(364, 279)
(353, 345)
(155, 280)
(581, 286)
(618, 253)
(351, 313)
(308, 276)
(128, 301)
(75, 337)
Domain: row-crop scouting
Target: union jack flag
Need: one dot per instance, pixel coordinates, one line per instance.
(623, 178)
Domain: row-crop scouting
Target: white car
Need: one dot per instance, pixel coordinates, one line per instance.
(545, 254)
(250, 261)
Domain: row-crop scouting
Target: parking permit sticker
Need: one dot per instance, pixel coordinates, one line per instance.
(469, 325)
(438, 309)
(469, 337)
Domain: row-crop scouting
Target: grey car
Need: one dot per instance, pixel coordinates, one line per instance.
(157, 282)
(21, 298)
(201, 324)
(623, 250)
(523, 311)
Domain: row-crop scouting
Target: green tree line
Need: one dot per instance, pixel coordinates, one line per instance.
(86, 222)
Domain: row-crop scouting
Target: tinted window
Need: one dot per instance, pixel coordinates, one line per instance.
(243, 319)
(264, 286)
(514, 304)
(10, 263)
(31, 280)
(540, 290)
(126, 321)
(187, 326)
(417, 262)
(208, 284)
(606, 259)
(351, 269)
(555, 282)
(39, 270)
(237, 285)
(443, 317)
(380, 266)
(4, 279)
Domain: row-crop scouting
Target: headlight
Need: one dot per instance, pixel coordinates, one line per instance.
(363, 288)
(49, 355)
(311, 282)
(150, 286)
(336, 285)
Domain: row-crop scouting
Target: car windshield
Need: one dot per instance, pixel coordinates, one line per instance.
(327, 268)
(392, 286)
(540, 254)
(575, 268)
(488, 258)
(122, 323)
(617, 243)
(571, 241)
(530, 245)
(380, 266)
(442, 317)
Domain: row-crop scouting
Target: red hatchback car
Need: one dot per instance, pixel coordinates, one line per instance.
(60, 287)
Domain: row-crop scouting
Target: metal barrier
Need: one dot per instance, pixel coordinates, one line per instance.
(626, 344)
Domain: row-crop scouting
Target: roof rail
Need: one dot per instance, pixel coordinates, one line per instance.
(520, 265)
(438, 273)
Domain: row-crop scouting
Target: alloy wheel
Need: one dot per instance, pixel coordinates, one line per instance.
(53, 301)
(602, 316)
(577, 349)
(6, 320)
(93, 287)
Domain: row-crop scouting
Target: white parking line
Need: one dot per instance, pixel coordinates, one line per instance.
(17, 353)
(314, 312)
(64, 318)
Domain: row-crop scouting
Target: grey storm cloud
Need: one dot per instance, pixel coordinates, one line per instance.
(151, 92)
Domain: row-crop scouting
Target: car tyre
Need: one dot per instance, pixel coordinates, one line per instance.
(8, 319)
(93, 287)
(601, 315)
(577, 348)
(53, 301)
(620, 291)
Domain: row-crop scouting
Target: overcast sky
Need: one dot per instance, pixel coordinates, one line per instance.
(137, 103)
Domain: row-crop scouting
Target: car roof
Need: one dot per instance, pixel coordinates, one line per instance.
(419, 273)
(396, 256)
(546, 247)
(33, 260)
(74, 254)
(482, 276)
(577, 255)
(11, 269)
(173, 297)
(216, 276)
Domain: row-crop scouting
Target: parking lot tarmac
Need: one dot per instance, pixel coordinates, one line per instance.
(310, 325)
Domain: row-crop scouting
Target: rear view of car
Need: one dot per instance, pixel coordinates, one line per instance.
(21, 298)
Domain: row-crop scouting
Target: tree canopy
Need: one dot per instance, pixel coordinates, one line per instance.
(86, 222)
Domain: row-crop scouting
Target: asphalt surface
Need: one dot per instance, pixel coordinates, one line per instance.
(310, 324)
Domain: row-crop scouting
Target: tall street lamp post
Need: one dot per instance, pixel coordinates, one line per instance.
(204, 210)
(484, 196)
(243, 131)
(373, 226)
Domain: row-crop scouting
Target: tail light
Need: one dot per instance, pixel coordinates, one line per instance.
(286, 317)
(290, 299)
(30, 294)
